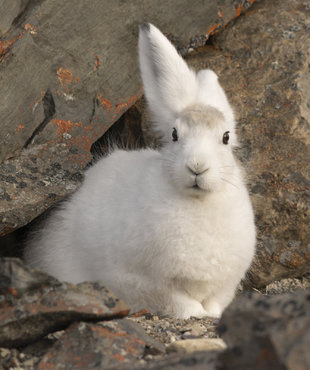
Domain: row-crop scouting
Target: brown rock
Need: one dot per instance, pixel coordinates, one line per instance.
(88, 346)
(33, 304)
(267, 332)
(263, 61)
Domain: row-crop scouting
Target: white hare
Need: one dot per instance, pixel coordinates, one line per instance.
(171, 230)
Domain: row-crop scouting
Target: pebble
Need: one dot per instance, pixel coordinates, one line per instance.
(197, 344)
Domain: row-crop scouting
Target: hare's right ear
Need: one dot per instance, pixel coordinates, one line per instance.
(169, 84)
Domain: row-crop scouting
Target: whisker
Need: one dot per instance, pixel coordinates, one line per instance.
(229, 182)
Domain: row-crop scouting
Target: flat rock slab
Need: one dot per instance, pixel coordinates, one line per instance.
(197, 344)
(33, 304)
(263, 64)
(68, 71)
(32, 183)
(98, 346)
(267, 332)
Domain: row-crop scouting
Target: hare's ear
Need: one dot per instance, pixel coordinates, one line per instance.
(211, 93)
(169, 84)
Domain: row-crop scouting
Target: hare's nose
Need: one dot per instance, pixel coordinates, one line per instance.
(197, 171)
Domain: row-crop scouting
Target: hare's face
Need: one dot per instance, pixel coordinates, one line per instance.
(199, 157)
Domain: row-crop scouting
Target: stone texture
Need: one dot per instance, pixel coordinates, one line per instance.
(33, 304)
(68, 71)
(267, 332)
(263, 64)
(35, 181)
(101, 345)
(9, 11)
(192, 361)
(198, 344)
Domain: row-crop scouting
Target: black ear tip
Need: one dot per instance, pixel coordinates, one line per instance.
(145, 27)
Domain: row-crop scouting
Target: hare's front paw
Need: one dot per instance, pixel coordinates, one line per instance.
(212, 308)
(185, 307)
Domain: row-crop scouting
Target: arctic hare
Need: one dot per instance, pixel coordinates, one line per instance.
(170, 230)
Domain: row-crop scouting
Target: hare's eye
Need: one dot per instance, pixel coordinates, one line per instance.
(226, 137)
(174, 134)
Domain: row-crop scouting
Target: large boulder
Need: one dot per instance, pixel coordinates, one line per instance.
(69, 70)
(267, 332)
(263, 64)
(33, 304)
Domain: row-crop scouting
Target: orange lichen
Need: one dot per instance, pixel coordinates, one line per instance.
(140, 313)
(30, 28)
(13, 291)
(239, 10)
(19, 128)
(212, 29)
(65, 126)
(65, 76)
(121, 107)
(97, 62)
(6, 45)
(118, 357)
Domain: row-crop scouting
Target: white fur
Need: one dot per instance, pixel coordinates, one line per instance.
(138, 224)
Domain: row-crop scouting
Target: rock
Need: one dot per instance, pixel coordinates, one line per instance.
(266, 76)
(36, 180)
(67, 73)
(100, 345)
(198, 344)
(9, 11)
(33, 304)
(192, 361)
(153, 347)
(287, 285)
(267, 332)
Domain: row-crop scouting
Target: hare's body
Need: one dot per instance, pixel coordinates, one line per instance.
(171, 231)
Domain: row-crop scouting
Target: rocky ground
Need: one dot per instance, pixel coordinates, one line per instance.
(95, 330)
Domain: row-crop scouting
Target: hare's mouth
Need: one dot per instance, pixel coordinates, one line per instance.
(197, 188)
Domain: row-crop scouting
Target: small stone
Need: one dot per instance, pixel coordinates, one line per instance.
(288, 35)
(199, 344)
(4, 352)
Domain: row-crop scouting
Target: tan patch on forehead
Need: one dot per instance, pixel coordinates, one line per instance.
(199, 114)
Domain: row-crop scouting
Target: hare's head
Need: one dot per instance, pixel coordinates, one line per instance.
(192, 114)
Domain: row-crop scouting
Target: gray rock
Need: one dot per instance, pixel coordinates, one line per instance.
(9, 11)
(33, 304)
(68, 72)
(36, 180)
(101, 345)
(267, 332)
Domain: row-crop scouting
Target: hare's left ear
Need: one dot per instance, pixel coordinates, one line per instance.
(169, 84)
